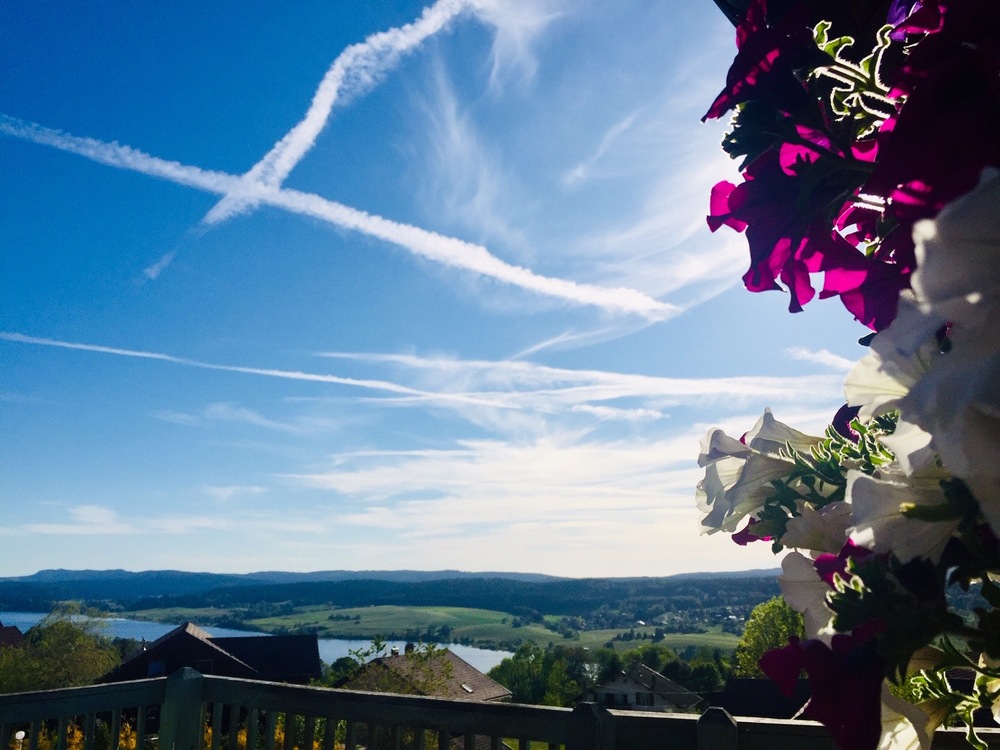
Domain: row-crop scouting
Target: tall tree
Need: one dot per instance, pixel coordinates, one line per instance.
(770, 625)
(62, 650)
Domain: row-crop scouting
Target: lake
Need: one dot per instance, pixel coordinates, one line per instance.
(330, 649)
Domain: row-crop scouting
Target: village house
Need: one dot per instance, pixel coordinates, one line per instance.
(644, 689)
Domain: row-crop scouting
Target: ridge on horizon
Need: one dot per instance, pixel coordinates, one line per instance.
(48, 575)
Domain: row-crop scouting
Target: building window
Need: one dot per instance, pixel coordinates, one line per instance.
(156, 669)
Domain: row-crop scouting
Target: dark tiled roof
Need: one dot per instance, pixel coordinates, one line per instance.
(284, 658)
(10, 635)
(275, 658)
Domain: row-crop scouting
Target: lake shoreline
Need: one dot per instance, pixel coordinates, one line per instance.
(330, 649)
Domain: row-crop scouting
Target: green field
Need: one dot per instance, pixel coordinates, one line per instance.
(199, 616)
(677, 641)
(478, 626)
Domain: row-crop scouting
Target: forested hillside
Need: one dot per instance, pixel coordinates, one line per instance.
(675, 602)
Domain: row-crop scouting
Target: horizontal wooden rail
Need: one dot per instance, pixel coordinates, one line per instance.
(189, 711)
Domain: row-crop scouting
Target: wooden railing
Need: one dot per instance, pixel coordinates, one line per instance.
(189, 711)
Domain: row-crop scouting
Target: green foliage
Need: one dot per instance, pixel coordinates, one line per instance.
(60, 651)
(560, 675)
(770, 626)
(860, 97)
(560, 688)
(908, 600)
(820, 476)
(523, 674)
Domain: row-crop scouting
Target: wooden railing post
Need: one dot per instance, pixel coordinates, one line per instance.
(717, 730)
(181, 719)
(591, 727)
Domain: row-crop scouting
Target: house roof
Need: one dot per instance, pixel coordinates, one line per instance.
(10, 635)
(449, 675)
(289, 658)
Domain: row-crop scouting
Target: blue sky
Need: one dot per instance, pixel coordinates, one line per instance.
(374, 285)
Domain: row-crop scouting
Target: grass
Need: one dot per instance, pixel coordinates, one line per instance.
(477, 625)
(177, 614)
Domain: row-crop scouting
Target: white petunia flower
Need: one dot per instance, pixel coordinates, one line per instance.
(958, 280)
(738, 474)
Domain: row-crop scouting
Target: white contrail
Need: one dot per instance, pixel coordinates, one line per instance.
(123, 157)
(357, 69)
(442, 249)
(378, 385)
(450, 251)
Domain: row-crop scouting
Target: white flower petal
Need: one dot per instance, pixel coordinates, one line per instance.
(771, 436)
(904, 725)
(822, 530)
(958, 253)
(804, 591)
(880, 525)
(717, 444)
(899, 357)
(911, 446)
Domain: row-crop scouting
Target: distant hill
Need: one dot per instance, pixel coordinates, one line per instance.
(38, 591)
(509, 592)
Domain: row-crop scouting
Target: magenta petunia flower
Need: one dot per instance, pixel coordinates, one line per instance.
(845, 679)
(828, 566)
(745, 536)
(764, 65)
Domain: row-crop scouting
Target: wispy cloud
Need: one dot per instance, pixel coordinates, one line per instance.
(514, 476)
(88, 520)
(582, 170)
(517, 23)
(514, 397)
(153, 272)
(465, 184)
(525, 383)
(609, 413)
(448, 251)
(226, 494)
(229, 412)
(821, 357)
(377, 385)
(98, 520)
